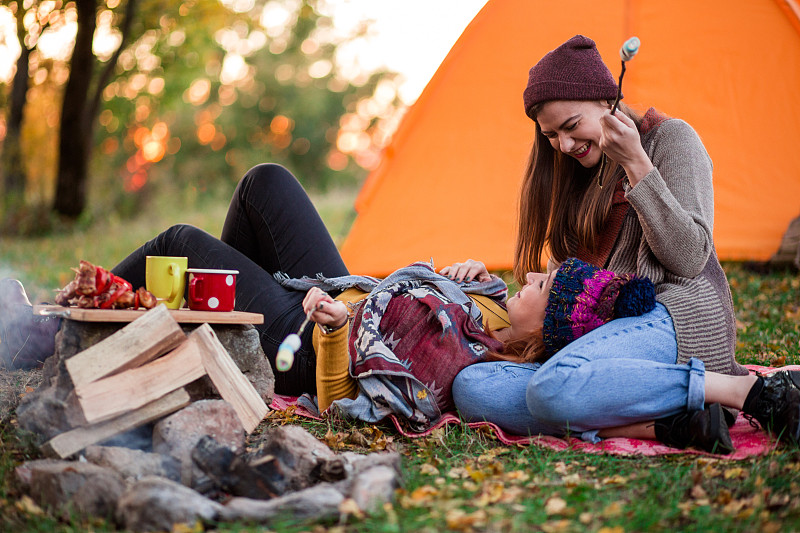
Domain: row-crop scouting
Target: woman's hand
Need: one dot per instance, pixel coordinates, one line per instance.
(620, 141)
(466, 271)
(326, 310)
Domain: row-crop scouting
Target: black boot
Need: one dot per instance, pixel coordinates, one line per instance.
(774, 401)
(26, 340)
(705, 429)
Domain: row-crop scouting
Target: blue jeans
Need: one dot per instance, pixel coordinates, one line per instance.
(618, 374)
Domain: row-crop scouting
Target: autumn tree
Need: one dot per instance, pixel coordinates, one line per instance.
(192, 93)
(80, 106)
(32, 20)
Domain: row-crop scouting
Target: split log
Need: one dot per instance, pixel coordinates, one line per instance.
(231, 384)
(141, 341)
(134, 388)
(71, 442)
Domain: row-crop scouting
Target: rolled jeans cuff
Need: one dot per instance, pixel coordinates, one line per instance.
(591, 436)
(696, 395)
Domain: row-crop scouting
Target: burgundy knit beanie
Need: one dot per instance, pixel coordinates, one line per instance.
(573, 71)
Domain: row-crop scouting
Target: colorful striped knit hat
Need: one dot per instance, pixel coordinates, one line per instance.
(584, 297)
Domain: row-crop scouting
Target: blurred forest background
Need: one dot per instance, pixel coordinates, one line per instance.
(107, 106)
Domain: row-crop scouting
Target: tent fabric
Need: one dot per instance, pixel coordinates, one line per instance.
(447, 185)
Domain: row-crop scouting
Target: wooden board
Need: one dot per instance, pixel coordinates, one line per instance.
(183, 316)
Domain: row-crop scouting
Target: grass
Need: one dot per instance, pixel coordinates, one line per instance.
(460, 479)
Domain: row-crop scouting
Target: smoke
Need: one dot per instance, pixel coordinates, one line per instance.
(25, 340)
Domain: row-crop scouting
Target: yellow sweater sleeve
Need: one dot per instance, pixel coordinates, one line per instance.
(333, 360)
(334, 381)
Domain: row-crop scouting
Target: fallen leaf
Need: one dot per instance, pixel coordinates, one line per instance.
(517, 475)
(492, 493)
(613, 509)
(736, 472)
(492, 454)
(585, 518)
(424, 492)
(460, 520)
(350, 507)
(556, 526)
(615, 480)
(698, 492)
(333, 440)
(428, 470)
(555, 505)
(197, 527)
(476, 474)
(27, 505)
(724, 497)
(615, 529)
(457, 472)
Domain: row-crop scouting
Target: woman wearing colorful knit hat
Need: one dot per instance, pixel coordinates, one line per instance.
(629, 193)
(550, 312)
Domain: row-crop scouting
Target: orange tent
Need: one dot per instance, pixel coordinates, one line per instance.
(448, 183)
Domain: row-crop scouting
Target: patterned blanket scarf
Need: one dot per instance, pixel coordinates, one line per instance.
(409, 338)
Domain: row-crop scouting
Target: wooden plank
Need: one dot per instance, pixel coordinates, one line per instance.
(231, 384)
(112, 396)
(182, 316)
(75, 440)
(152, 334)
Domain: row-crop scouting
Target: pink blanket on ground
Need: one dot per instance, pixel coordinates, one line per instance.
(747, 440)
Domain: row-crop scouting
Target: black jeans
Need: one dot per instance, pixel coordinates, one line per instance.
(271, 226)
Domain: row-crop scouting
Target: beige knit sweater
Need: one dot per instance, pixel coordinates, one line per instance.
(667, 236)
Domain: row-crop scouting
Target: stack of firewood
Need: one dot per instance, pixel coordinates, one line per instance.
(139, 374)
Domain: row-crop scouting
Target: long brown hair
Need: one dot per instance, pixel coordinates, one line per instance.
(560, 203)
(528, 349)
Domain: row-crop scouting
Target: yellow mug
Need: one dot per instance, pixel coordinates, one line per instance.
(165, 277)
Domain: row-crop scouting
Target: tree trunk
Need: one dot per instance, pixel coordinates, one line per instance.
(80, 108)
(12, 163)
(75, 142)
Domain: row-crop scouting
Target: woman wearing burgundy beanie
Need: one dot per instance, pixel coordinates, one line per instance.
(648, 209)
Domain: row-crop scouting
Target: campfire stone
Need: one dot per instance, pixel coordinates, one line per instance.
(298, 450)
(374, 487)
(157, 504)
(358, 462)
(134, 464)
(178, 434)
(72, 486)
(314, 503)
(24, 471)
